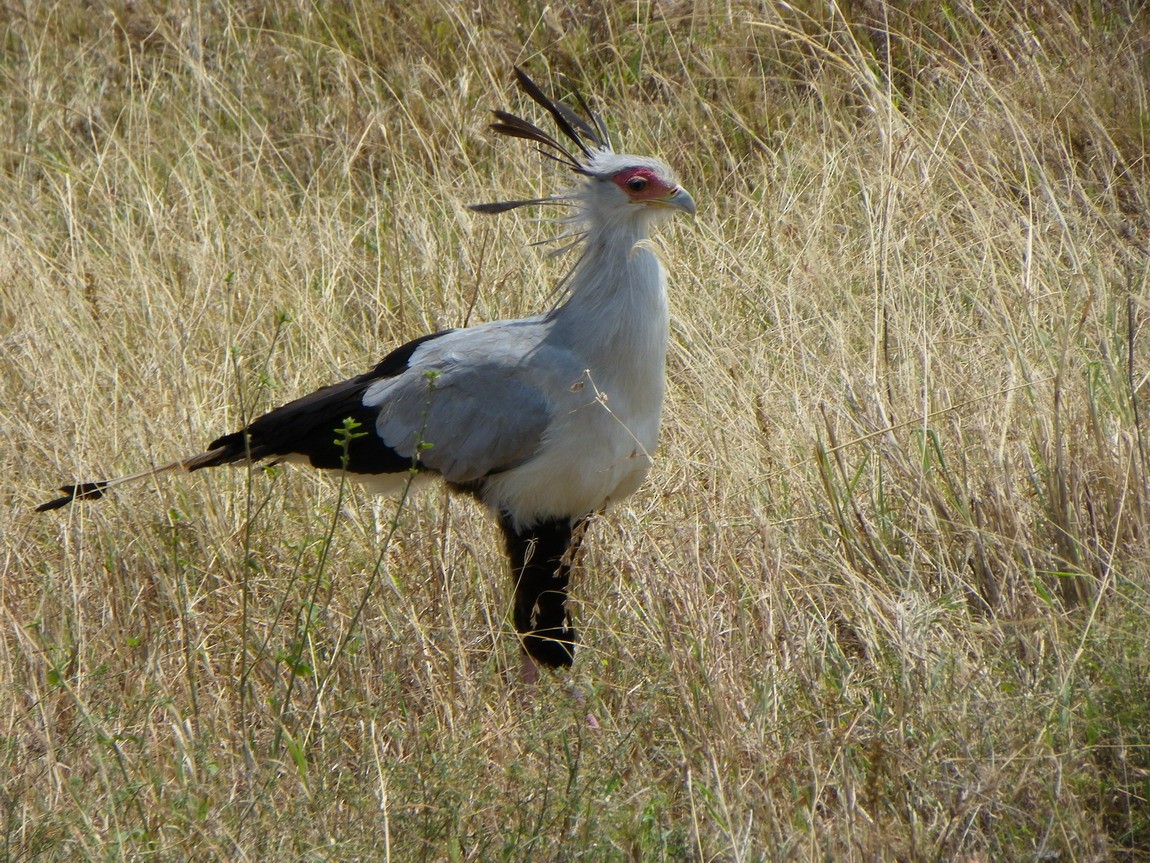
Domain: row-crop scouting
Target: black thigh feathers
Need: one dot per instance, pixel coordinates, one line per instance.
(541, 567)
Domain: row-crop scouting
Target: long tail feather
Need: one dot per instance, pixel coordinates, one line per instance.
(80, 491)
(97, 489)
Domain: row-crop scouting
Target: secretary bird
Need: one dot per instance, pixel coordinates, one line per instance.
(546, 419)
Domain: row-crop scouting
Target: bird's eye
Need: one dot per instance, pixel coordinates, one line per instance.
(637, 184)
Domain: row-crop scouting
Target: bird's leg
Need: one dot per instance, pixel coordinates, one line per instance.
(541, 566)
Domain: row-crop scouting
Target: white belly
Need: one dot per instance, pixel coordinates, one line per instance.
(590, 457)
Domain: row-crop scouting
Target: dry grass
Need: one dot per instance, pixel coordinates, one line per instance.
(885, 596)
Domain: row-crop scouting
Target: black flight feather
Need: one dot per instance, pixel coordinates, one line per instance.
(309, 426)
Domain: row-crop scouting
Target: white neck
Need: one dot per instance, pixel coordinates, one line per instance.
(616, 316)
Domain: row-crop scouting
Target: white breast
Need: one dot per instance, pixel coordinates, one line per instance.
(599, 445)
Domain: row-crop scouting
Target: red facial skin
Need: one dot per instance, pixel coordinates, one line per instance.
(642, 185)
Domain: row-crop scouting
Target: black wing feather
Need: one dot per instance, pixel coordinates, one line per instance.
(310, 426)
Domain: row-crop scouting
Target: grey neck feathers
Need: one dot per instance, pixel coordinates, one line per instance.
(617, 302)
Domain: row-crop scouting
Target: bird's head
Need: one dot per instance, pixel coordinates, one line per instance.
(616, 187)
(623, 187)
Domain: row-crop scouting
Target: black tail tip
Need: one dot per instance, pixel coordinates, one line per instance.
(80, 491)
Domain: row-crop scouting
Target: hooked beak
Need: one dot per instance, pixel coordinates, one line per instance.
(680, 200)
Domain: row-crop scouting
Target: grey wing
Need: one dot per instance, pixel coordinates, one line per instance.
(470, 413)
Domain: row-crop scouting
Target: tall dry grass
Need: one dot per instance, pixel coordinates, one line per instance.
(885, 594)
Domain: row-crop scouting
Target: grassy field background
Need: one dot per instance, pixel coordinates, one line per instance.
(885, 595)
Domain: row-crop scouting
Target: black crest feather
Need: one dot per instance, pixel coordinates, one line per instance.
(588, 134)
(504, 206)
(569, 123)
(516, 127)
